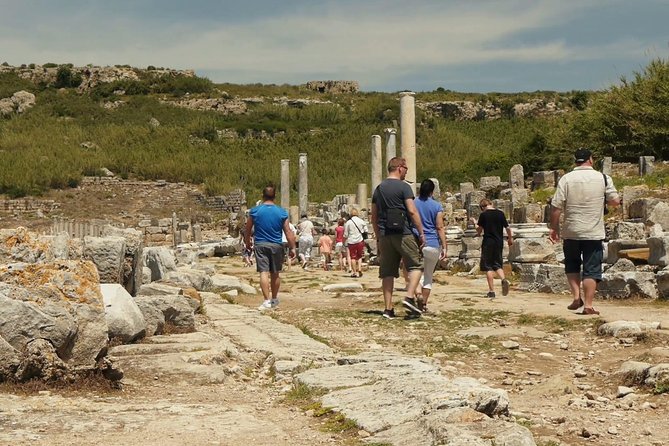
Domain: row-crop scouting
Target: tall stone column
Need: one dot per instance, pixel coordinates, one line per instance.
(285, 184)
(377, 161)
(391, 145)
(303, 202)
(361, 196)
(408, 133)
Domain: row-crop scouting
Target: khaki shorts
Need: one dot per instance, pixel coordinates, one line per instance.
(394, 248)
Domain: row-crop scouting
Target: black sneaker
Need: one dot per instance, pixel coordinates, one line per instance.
(490, 295)
(389, 314)
(410, 303)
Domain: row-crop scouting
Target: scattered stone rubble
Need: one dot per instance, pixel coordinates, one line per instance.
(17, 103)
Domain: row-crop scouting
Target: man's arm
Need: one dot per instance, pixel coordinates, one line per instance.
(375, 220)
(555, 224)
(509, 235)
(247, 232)
(415, 219)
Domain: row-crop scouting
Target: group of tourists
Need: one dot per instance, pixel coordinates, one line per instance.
(410, 233)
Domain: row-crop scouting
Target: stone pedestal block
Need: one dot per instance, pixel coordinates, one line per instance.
(543, 179)
(617, 245)
(646, 165)
(662, 278)
(519, 197)
(628, 231)
(470, 247)
(534, 213)
(607, 165)
(625, 284)
(631, 193)
(465, 188)
(517, 177)
(489, 183)
(659, 250)
(527, 275)
(552, 279)
(532, 250)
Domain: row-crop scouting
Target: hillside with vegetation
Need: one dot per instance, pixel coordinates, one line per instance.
(132, 127)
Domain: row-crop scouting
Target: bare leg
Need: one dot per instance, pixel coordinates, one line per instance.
(500, 274)
(426, 295)
(589, 289)
(413, 279)
(490, 276)
(387, 284)
(574, 280)
(264, 284)
(275, 284)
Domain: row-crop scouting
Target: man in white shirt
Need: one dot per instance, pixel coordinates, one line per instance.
(581, 195)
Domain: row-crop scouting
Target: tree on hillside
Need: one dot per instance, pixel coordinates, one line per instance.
(631, 119)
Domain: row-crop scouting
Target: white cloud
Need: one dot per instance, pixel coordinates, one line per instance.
(372, 42)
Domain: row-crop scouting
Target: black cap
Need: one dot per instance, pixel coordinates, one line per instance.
(582, 155)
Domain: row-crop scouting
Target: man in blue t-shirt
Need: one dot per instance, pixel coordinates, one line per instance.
(270, 222)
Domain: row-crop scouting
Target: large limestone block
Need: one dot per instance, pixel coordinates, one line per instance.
(489, 184)
(662, 278)
(627, 230)
(625, 284)
(229, 246)
(176, 310)
(188, 277)
(517, 177)
(222, 282)
(519, 197)
(659, 250)
(652, 211)
(630, 194)
(532, 250)
(160, 260)
(623, 329)
(614, 246)
(527, 275)
(160, 289)
(470, 247)
(108, 254)
(133, 262)
(60, 302)
(124, 318)
(19, 245)
(552, 279)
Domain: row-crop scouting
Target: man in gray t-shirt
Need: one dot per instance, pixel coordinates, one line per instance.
(393, 213)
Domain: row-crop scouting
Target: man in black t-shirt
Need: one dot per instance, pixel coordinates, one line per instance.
(492, 223)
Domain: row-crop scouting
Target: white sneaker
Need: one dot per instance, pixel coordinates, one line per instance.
(266, 305)
(274, 303)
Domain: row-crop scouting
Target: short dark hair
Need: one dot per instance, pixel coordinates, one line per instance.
(269, 193)
(426, 188)
(395, 162)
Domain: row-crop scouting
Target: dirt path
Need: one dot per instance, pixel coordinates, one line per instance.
(208, 388)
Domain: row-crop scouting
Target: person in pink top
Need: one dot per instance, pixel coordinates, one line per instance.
(325, 247)
(340, 247)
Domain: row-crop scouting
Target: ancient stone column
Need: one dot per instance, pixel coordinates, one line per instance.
(285, 184)
(361, 196)
(646, 165)
(391, 145)
(607, 165)
(408, 133)
(517, 177)
(302, 192)
(377, 161)
(294, 214)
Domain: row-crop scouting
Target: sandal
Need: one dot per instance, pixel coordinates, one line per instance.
(576, 304)
(588, 311)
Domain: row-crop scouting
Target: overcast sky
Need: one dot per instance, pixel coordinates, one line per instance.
(391, 45)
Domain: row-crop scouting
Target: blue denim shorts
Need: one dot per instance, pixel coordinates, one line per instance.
(586, 253)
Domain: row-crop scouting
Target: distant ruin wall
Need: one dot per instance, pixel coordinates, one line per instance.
(232, 202)
(333, 86)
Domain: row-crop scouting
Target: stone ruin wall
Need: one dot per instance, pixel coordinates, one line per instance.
(335, 87)
(91, 75)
